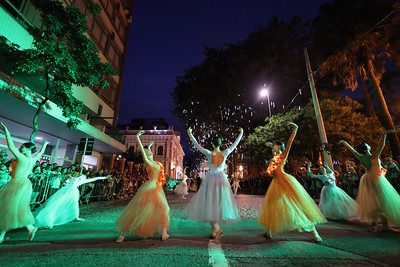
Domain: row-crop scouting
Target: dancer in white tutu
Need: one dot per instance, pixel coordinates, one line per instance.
(63, 206)
(334, 203)
(214, 202)
(15, 196)
(182, 187)
(377, 200)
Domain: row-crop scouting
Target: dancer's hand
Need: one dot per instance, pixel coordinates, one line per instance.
(308, 164)
(294, 125)
(241, 130)
(190, 130)
(46, 143)
(140, 133)
(342, 142)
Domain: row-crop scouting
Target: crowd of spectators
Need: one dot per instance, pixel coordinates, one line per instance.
(47, 178)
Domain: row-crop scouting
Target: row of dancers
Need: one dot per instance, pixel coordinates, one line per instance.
(286, 206)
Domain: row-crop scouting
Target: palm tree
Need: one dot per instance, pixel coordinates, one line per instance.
(365, 57)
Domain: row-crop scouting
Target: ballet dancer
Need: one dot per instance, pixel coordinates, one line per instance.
(148, 211)
(15, 196)
(214, 202)
(377, 200)
(182, 187)
(63, 206)
(287, 206)
(334, 203)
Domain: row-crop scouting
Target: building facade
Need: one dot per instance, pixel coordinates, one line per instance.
(167, 148)
(109, 31)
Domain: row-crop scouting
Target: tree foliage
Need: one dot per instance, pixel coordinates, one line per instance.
(343, 119)
(221, 93)
(62, 56)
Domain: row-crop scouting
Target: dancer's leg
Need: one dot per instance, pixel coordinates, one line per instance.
(2, 235)
(268, 234)
(317, 238)
(32, 231)
(121, 238)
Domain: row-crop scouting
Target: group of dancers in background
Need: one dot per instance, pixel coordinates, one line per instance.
(286, 206)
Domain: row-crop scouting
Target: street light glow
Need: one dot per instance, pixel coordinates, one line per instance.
(264, 92)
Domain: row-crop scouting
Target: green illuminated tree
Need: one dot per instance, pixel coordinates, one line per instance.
(62, 56)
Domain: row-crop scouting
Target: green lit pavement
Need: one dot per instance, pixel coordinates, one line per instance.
(92, 243)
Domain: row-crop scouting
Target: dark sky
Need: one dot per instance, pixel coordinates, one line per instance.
(168, 36)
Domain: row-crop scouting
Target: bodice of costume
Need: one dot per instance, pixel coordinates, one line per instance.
(216, 168)
(376, 168)
(276, 165)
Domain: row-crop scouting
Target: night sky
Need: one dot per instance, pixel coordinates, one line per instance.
(168, 36)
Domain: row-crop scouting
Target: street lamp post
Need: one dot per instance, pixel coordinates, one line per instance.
(264, 93)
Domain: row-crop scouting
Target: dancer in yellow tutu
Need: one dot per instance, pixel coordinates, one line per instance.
(148, 211)
(287, 206)
(377, 200)
(16, 194)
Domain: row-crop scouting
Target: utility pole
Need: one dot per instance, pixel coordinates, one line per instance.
(320, 122)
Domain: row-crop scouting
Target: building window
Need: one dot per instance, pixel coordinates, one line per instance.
(160, 150)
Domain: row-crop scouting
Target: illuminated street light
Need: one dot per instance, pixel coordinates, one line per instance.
(265, 93)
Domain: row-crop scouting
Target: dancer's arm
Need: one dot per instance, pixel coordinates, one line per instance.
(381, 145)
(39, 155)
(201, 149)
(230, 149)
(10, 142)
(143, 152)
(320, 177)
(290, 141)
(89, 180)
(352, 150)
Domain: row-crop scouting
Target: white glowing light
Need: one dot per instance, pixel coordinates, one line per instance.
(264, 92)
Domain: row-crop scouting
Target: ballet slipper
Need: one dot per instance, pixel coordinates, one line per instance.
(32, 233)
(80, 219)
(120, 239)
(164, 237)
(317, 238)
(267, 235)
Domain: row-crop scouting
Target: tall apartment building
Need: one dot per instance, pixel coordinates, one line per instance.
(109, 30)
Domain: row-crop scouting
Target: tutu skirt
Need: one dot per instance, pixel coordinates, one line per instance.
(376, 196)
(336, 204)
(181, 189)
(287, 206)
(214, 202)
(15, 211)
(61, 208)
(146, 213)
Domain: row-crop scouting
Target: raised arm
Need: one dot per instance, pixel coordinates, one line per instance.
(230, 149)
(40, 154)
(10, 142)
(196, 144)
(143, 152)
(381, 145)
(290, 141)
(352, 150)
(320, 177)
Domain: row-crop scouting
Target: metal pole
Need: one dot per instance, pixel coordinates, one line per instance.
(54, 158)
(84, 152)
(318, 115)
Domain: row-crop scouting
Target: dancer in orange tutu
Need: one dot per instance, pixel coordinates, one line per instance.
(377, 200)
(15, 196)
(148, 211)
(287, 206)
